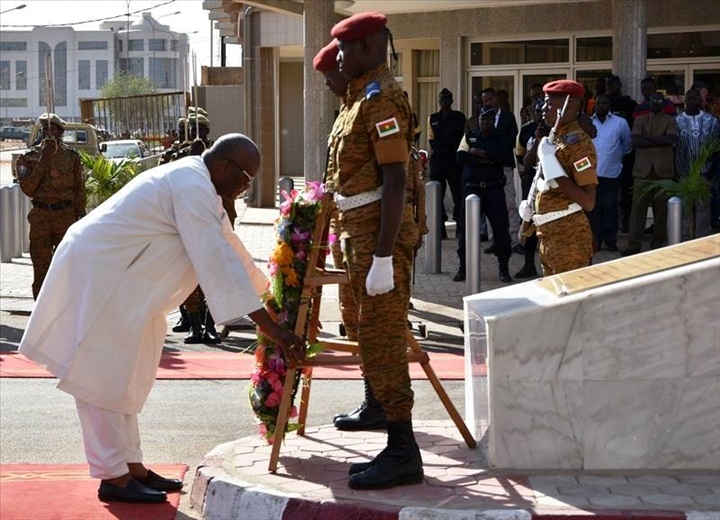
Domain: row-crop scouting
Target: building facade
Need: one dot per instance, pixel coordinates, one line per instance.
(81, 62)
(462, 45)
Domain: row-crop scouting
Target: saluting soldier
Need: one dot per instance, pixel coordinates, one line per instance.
(369, 153)
(567, 190)
(52, 175)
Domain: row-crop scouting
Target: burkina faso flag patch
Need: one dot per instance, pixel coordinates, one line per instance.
(387, 127)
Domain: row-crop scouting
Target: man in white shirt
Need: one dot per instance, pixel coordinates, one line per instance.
(612, 143)
(99, 321)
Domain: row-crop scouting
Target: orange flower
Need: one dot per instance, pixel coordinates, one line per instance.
(283, 254)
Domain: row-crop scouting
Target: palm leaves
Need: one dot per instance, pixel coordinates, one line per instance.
(105, 177)
(693, 189)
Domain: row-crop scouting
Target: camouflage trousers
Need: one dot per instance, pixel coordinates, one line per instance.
(47, 229)
(382, 321)
(565, 244)
(348, 305)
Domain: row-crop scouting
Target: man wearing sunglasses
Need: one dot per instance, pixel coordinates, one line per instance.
(99, 322)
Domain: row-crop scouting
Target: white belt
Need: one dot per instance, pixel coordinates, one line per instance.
(355, 201)
(554, 215)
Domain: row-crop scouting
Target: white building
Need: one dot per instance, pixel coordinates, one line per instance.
(82, 62)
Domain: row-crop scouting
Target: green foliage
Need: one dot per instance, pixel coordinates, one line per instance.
(127, 85)
(693, 189)
(105, 177)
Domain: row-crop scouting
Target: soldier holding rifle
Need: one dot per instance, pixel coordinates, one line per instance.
(564, 187)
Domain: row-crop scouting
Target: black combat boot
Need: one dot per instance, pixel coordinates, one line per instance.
(527, 271)
(210, 335)
(504, 271)
(183, 324)
(398, 464)
(368, 416)
(196, 329)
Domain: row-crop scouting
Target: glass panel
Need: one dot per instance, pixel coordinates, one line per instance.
(683, 45)
(529, 80)
(60, 74)
(101, 73)
(84, 74)
(156, 45)
(509, 53)
(13, 46)
(136, 45)
(13, 102)
(92, 46)
(500, 84)
(43, 53)
(4, 75)
(589, 78)
(672, 84)
(21, 76)
(594, 49)
(711, 77)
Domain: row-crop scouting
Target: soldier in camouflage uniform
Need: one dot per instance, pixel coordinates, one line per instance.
(567, 190)
(369, 152)
(52, 175)
(182, 142)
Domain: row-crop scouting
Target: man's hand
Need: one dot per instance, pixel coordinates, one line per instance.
(293, 346)
(49, 147)
(380, 277)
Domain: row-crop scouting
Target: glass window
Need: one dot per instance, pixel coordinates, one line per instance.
(13, 46)
(13, 102)
(21, 76)
(137, 66)
(119, 44)
(44, 53)
(512, 53)
(162, 72)
(683, 45)
(594, 49)
(174, 45)
(136, 45)
(101, 73)
(672, 84)
(4, 75)
(60, 74)
(504, 86)
(84, 74)
(156, 45)
(92, 46)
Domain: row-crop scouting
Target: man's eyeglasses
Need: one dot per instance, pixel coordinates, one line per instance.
(249, 177)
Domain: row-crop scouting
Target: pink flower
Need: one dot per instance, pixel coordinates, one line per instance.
(272, 268)
(332, 238)
(315, 191)
(256, 378)
(301, 255)
(286, 208)
(293, 412)
(272, 400)
(262, 428)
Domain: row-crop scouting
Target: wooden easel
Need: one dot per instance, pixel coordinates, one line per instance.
(349, 350)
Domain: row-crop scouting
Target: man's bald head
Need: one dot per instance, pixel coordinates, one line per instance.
(233, 160)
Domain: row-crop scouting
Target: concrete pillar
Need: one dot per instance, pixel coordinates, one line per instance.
(451, 71)
(629, 21)
(320, 103)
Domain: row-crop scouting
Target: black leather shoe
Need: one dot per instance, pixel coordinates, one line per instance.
(155, 481)
(134, 492)
(459, 277)
(527, 271)
(505, 275)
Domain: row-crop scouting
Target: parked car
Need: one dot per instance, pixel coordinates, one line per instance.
(125, 149)
(15, 133)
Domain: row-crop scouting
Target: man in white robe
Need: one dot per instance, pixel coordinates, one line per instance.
(99, 321)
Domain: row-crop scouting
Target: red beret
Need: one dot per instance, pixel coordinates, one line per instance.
(359, 26)
(326, 60)
(564, 87)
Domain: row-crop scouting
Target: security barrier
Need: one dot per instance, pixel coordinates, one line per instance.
(14, 228)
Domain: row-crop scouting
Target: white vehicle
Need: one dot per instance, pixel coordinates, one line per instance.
(125, 149)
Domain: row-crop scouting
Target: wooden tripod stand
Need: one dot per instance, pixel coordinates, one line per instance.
(349, 351)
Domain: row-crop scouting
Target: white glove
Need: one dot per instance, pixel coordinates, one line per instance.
(526, 211)
(551, 167)
(380, 278)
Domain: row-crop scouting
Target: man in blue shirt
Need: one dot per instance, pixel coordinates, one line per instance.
(612, 143)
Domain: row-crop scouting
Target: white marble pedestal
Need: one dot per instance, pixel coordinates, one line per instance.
(622, 376)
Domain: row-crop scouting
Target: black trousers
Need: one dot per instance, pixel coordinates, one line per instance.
(492, 205)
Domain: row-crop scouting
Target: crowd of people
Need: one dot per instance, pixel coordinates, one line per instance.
(649, 140)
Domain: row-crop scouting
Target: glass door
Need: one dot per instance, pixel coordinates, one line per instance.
(528, 78)
(504, 83)
(672, 82)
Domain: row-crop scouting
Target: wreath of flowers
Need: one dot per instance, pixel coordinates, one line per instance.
(287, 266)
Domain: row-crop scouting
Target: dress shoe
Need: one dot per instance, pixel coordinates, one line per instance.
(459, 277)
(629, 252)
(527, 271)
(133, 492)
(518, 249)
(484, 237)
(155, 481)
(505, 274)
(489, 250)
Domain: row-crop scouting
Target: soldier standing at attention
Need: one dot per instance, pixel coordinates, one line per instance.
(567, 189)
(52, 175)
(445, 131)
(369, 152)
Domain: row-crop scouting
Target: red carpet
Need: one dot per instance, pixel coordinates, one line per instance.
(66, 492)
(229, 365)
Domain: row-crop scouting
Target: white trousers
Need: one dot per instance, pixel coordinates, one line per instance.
(112, 440)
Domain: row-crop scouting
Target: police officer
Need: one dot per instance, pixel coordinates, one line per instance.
(52, 175)
(567, 190)
(369, 152)
(445, 130)
(482, 154)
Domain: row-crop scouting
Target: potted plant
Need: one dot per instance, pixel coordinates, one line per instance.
(105, 177)
(694, 189)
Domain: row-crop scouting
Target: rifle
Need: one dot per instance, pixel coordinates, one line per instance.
(526, 229)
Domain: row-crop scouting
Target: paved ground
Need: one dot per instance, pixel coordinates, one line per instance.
(312, 475)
